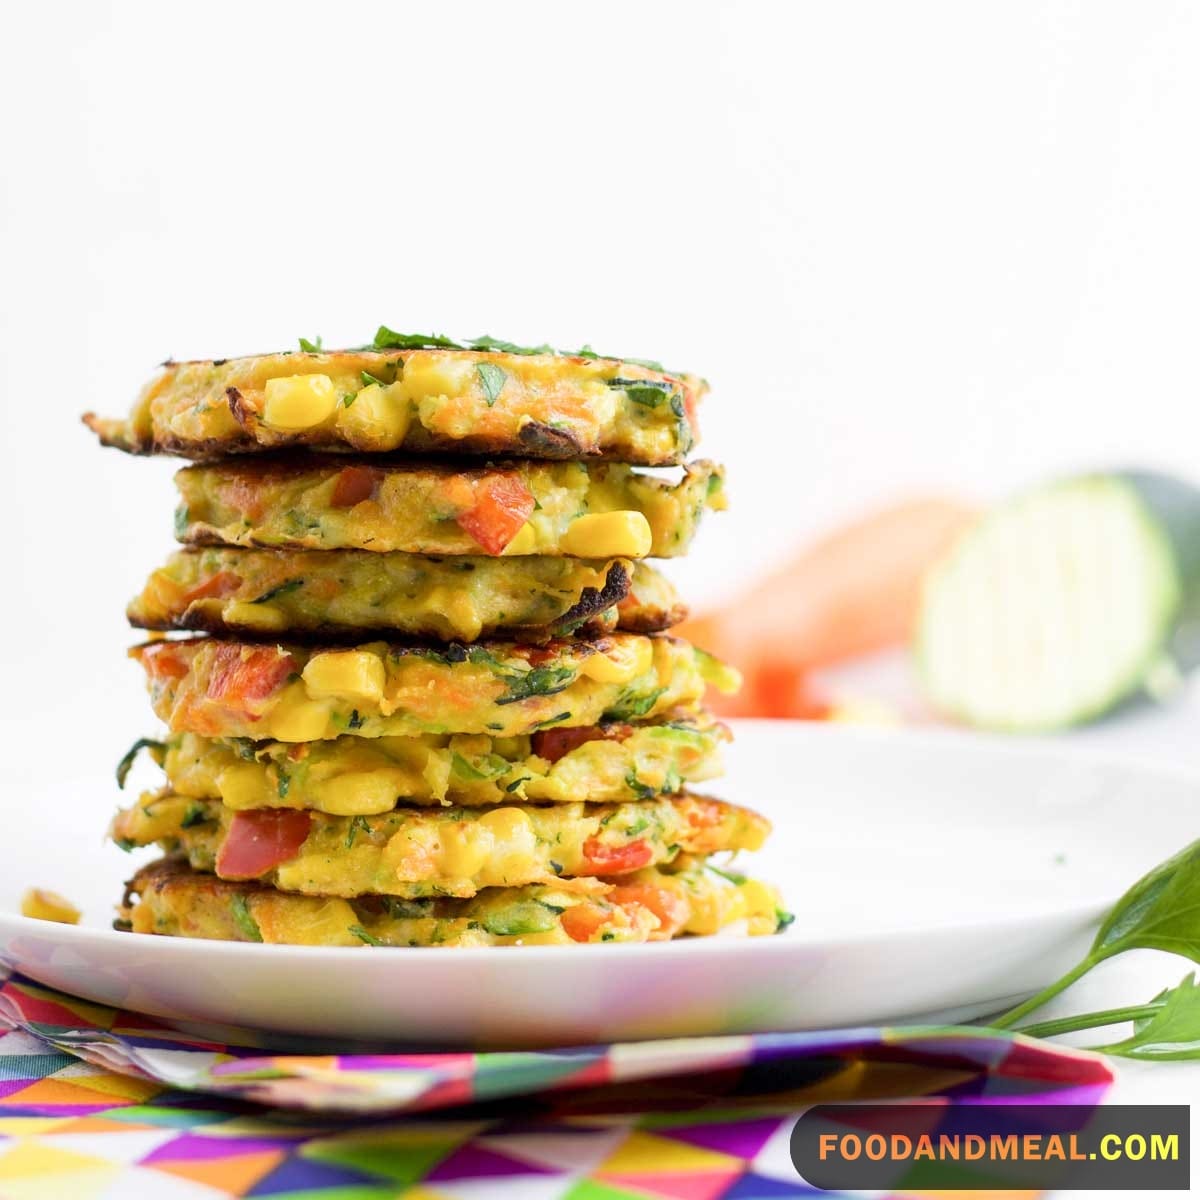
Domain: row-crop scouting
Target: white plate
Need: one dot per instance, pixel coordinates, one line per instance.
(929, 873)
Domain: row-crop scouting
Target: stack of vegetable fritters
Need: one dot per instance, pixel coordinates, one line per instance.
(436, 704)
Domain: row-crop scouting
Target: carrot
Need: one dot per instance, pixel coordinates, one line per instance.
(854, 592)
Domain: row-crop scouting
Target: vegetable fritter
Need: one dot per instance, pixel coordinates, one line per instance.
(350, 593)
(293, 693)
(581, 510)
(649, 905)
(351, 776)
(419, 852)
(416, 400)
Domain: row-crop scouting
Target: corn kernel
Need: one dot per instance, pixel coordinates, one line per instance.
(606, 535)
(361, 793)
(244, 785)
(525, 541)
(345, 674)
(464, 849)
(376, 418)
(260, 617)
(508, 824)
(297, 718)
(298, 402)
(622, 661)
(44, 905)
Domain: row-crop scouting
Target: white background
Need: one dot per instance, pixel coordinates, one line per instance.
(915, 247)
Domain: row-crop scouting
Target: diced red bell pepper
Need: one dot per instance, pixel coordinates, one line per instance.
(223, 583)
(241, 676)
(502, 505)
(581, 922)
(261, 839)
(553, 744)
(601, 859)
(354, 485)
(669, 907)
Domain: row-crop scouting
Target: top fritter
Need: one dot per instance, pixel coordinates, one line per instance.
(418, 394)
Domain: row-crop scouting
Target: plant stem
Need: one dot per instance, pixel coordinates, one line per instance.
(1010, 1018)
(1096, 1020)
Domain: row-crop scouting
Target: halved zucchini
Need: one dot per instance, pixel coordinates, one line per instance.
(1065, 603)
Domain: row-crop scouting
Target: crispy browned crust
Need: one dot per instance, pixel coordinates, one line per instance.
(539, 635)
(548, 443)
(450, 652)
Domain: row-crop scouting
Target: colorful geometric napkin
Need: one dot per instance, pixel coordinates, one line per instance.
(94, 1101)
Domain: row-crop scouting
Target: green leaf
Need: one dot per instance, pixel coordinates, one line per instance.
(492, 379)
(646, 392)
(313, 347)
(496, 766)
(733, 877)
(363, 936)
(638, 788)
(633, 704)
(194, 815)
(540, 681)
(368, 379)
(157, 750)
(284, 783)
(244, 921)
(503, 347)
(1160, 912)
(389, 339)
(182, 520)
(358, 825)
(1171, 1033)
(280, 589)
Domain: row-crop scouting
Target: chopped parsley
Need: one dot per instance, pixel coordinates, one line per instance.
(363, 936)
(358, 825)
(157, 749)
(195, 815)
(313, 347)
(492, 379)
(280, 589)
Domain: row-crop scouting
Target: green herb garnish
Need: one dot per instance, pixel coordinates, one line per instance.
(389, 339)
(539, 681)
(358, 825)
(646, 392)
(157, 750)
(363, 936)
(491, 379)
(281, 589)
(313, 347)
(633, 704)
(195, 815)
(368, 379)
(244, 921)
(1160, 912)
(733, 877)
